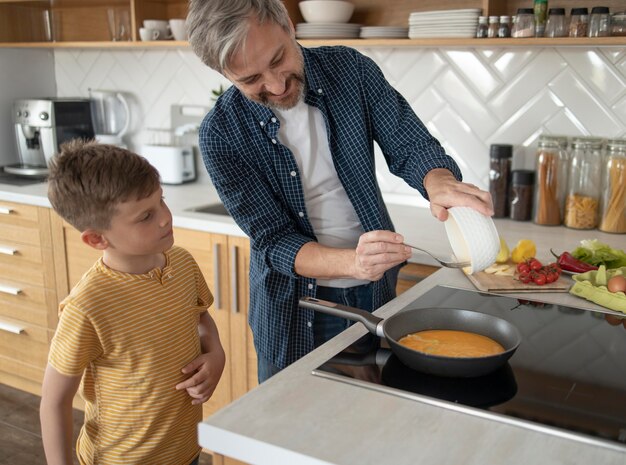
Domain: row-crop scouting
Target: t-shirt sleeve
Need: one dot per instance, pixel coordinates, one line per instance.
(75, 343)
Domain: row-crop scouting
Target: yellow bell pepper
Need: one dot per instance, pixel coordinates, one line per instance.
(524, 250)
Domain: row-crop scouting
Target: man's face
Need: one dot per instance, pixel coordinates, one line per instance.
(269, 68)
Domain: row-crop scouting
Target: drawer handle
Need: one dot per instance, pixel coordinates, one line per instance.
(7, 251)
(233, 280)
(10, 290)
(8, 327)
(216, 277)
(6, 210)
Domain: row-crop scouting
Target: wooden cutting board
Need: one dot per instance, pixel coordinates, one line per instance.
(502, 284)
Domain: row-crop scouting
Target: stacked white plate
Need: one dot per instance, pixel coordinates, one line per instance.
(327, 30)
(381, 32)
(444, 23)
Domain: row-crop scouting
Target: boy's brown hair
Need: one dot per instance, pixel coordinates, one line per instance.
(88, 180)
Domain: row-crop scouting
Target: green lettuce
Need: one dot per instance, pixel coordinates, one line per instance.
(597, 253)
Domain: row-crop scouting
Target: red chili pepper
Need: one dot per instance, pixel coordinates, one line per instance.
(568, 263)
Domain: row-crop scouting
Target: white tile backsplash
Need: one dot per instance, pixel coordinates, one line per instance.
(468, 98)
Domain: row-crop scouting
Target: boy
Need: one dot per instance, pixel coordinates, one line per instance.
(135, 328)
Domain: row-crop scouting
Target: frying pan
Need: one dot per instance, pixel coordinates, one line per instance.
(420, 319)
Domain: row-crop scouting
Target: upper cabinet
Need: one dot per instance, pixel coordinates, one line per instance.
(116, 23)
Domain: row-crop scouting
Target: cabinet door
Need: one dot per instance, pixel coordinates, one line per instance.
(211, 253)
(243, 355)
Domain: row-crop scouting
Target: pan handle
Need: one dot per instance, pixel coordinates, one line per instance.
(373, 324)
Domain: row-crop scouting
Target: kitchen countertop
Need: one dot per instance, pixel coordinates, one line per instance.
(415, 223)
(298, 418)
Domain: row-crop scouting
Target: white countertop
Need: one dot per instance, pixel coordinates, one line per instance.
(298, 418)
(415, 223)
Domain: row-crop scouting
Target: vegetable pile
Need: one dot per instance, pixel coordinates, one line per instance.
(532, 270)
(596, 253)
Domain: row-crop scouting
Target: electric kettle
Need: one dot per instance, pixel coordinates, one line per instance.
(110, 115)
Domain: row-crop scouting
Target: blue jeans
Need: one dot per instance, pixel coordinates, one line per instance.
(325, 327)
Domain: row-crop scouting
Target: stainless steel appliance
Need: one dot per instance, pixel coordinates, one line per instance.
(567, 377)
(42, 125)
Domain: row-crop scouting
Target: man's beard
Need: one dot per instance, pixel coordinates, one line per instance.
(296, 80)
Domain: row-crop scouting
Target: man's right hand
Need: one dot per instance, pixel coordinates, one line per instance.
(377, 252)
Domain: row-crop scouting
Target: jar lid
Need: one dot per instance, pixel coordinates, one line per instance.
(500, 151)
(525, 11)
(504, 19)
(580, 11)
(561, 141)
(525, 177)
(556, 11)
(600, 9)
(616, 143)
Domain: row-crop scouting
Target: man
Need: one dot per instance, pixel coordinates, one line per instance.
(290, 150)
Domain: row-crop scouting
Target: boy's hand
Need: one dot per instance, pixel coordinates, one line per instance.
(206, 369)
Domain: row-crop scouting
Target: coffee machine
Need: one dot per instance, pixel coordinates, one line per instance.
(42, 125)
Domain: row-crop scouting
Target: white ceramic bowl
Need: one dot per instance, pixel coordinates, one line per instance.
(326, 11)
(473, 237)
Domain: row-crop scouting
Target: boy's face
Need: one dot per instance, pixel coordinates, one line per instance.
(140, 227)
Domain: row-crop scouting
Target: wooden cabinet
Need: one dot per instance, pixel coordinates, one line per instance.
(28, 299)
(85, 23)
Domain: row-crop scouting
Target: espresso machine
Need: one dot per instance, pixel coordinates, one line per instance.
(42, 125)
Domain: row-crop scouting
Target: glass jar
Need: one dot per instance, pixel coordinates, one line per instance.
(540, 10)
(500, 156)
(618, 24)
(578, 22)
(613, 204)
(494, 25)
(481, 29)
(551, 168)
(522, 187)
(555, 27)
(505, 27)
(599, 22)
(524, 23)
(582, 204)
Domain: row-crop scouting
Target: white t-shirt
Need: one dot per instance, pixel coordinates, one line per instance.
(331, 213)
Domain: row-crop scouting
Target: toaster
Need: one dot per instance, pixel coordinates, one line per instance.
(175, 164)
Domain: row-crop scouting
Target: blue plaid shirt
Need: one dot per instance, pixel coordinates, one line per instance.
(253, 174)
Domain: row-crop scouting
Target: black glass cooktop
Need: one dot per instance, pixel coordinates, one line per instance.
(568, 376)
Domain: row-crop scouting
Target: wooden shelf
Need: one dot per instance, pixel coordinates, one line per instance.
(438, 42)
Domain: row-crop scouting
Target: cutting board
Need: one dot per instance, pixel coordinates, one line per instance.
(502, 284)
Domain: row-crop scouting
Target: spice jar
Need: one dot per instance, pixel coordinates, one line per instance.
(599, 22)
(522, 187)
(500, 178)
(618, 24)
(481, 29)
(555, 27)
(550, 182)
(524, 23)
(578, 22)
(582, 204)
(505, 27)
(494, 25)
(613, 203)
(540, 9)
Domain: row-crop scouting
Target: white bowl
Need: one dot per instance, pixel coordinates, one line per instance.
(326, 11)
(473, 238)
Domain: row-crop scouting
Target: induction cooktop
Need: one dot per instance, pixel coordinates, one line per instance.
(568, 376)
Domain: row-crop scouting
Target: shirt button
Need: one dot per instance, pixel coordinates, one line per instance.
(293, 173)
(273, 141)
(262, 123)
(319, 91)
(273, 120)
(309, 324)
(310, 286)
(301, 214)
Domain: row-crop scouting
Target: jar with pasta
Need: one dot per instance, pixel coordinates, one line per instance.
(551, 167)
(582, 204)
(613, 205)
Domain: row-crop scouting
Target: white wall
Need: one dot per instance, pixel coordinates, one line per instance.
(469, 98)
(24, 73)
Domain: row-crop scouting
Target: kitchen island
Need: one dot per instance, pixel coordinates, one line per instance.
(298, 418)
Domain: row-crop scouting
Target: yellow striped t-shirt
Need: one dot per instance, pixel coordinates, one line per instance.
(131, 335)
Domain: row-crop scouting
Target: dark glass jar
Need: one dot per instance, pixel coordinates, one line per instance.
(500, 156)
(522, 190)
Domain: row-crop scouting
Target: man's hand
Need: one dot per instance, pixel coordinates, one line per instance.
(444, 191)
(377, 252)
(206, 369)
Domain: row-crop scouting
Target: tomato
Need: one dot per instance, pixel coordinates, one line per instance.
(539, 279)
(551, 277)
(524, 277)
(523, 268)
(535, 264)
